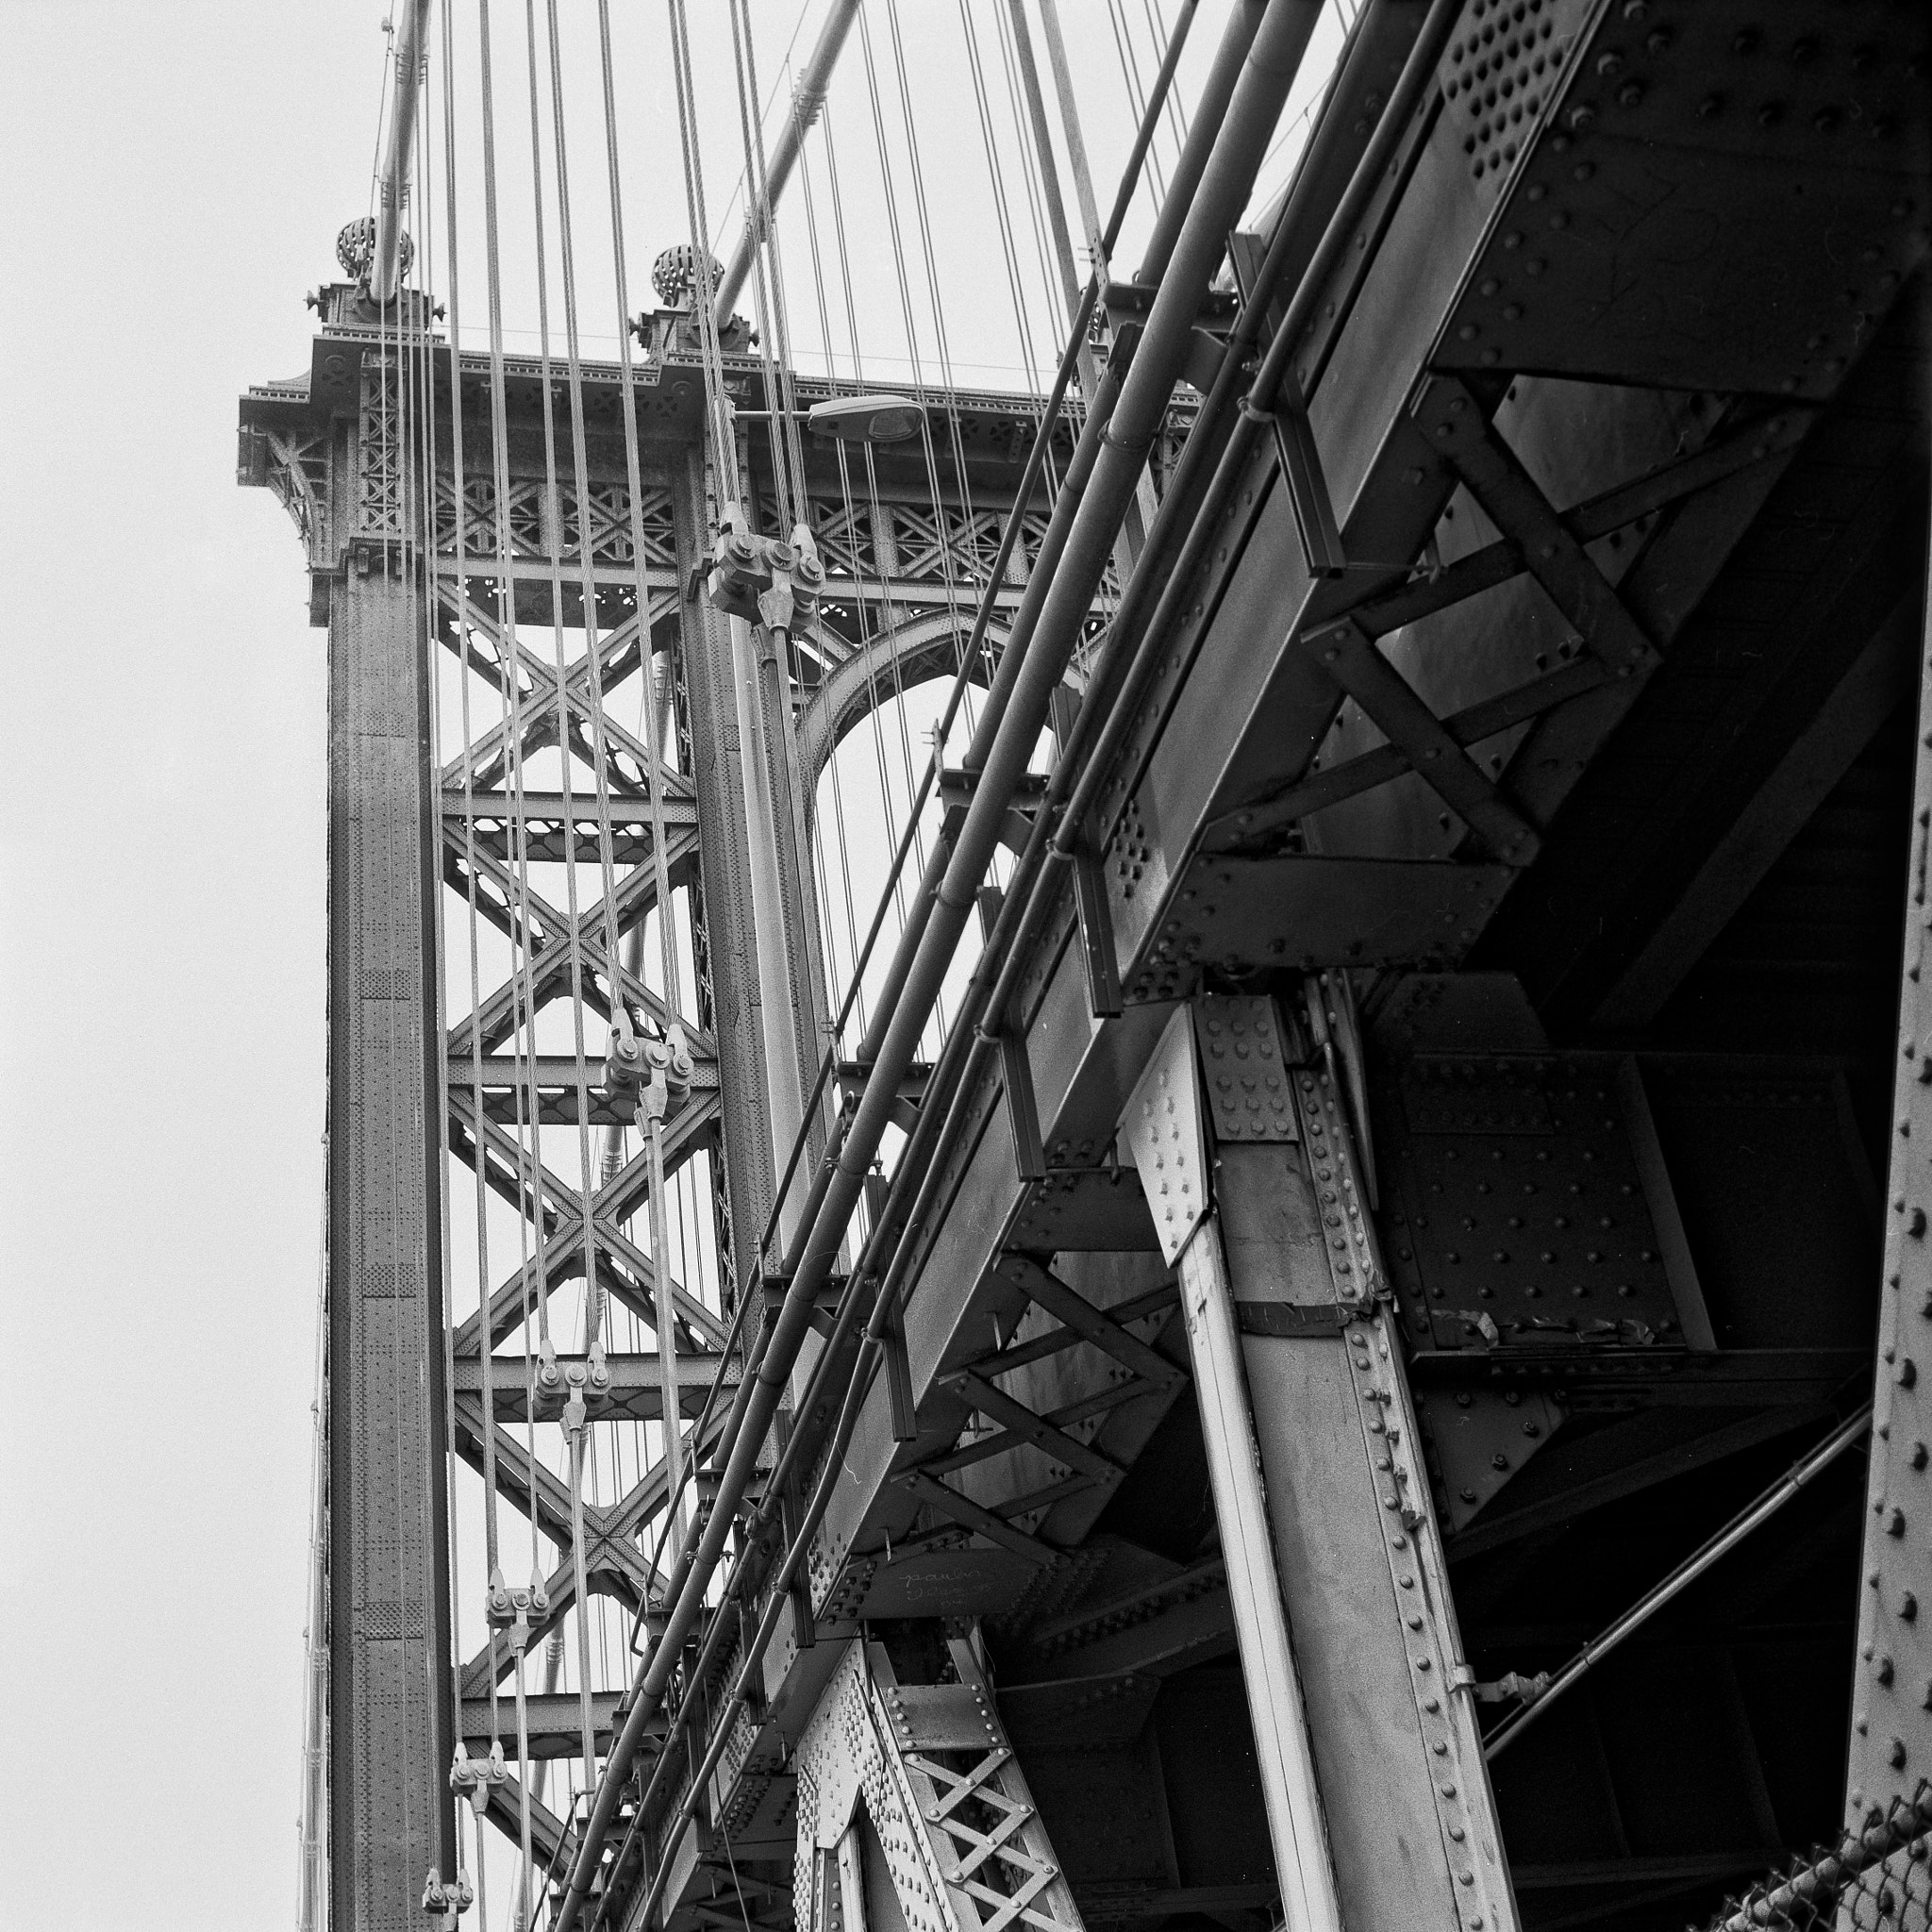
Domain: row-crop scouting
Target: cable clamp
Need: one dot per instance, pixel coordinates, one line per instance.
(625, 1064)
(445, 1902)
(474, 1778)
(658, 1073)
(807, 572)
(586, 1383)
(507, 1607)
(778, 607)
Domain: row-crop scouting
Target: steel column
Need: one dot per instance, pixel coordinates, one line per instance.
(1891, 1745)
(718, 751)
(1369, 1751)
(776, 1016)
(1276, 1706)
(389, 1734)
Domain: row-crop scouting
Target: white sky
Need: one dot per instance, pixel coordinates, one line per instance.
(176, 177)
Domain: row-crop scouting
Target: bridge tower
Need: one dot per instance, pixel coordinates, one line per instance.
(425, 576)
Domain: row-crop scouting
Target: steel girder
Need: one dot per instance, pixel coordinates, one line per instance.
(1890, 1752)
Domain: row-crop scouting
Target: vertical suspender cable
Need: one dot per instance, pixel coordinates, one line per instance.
(654, 1125)
(444, 1687)
(576, 1418)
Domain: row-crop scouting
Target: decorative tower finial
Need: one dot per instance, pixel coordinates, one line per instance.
(674, 275)
(355, 249)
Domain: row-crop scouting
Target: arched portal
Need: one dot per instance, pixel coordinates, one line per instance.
(888, 664)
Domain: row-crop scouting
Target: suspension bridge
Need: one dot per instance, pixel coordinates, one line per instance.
(1142, 1145)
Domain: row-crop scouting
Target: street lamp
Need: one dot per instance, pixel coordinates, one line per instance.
(866, 419)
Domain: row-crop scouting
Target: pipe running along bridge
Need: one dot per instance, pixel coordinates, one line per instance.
(1339, 1334)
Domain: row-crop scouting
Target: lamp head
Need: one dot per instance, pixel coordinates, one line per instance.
(866, 419)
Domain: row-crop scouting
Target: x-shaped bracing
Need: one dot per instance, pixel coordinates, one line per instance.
(608, 1528)
(619, 655)
(1017, 1426)
(558, 1220)
(1538, 540)
(548, 972)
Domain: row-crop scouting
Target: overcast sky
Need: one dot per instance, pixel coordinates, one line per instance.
(178, 171)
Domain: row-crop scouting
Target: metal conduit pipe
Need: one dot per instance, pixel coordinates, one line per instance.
(1418, 75)
(1005, 944)
(1325, 130)
(1004, 743)
(1113, 697)
(947, 1076)
(1217, 91)
(1168, 526)
(1178, 520)
(1694, 1566)
(808, 98)
(1275, 52)
(1001, 749)
(1026, 903)
(385, 263)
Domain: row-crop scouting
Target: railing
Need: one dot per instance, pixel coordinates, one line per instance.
(1877, 1878)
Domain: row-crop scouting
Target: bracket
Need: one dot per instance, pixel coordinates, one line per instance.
(1016, 1069)
(1244, 1067)
(956, 793)
(1308, 500)
(1090, 893)
(1164, 1134)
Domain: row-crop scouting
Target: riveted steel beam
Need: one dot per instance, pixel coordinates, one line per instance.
(1890, 1752)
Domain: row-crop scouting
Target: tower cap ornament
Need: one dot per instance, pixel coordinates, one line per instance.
(355, 249)
(674, 275)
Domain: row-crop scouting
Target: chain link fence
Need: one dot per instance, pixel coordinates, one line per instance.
(1877, 1879)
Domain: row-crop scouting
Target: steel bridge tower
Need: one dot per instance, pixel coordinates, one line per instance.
(410, 1084)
